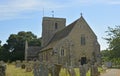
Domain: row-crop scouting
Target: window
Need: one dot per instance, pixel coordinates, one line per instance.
(83, 40)
(56, 25)
(62, 52)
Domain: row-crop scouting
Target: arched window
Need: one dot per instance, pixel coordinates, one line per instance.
(56, 25)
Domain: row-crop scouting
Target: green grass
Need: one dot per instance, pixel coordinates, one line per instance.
(13, 71)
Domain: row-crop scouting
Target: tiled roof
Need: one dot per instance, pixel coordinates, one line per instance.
(62, 33)
(32, 51)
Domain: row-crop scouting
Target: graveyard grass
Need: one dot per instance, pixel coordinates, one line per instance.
(13, 71)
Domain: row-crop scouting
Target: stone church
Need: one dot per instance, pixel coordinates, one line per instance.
(69, 45)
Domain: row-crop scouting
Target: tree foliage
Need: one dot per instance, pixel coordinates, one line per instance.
(113, 40)
(15, 46)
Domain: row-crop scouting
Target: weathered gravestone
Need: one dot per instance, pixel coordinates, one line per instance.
(55, 70)
(71, 71)
(29, 66)
(83, 66)
(23, 64)
(82, 70)
(2, 68)
(36, 68)
(40, 69)
(18, 64)
(94, 70)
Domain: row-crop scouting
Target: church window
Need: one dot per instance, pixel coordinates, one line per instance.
(83, 42)
(56, 25)
(62, 52)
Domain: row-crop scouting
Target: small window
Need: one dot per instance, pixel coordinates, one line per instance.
(83, 42)
(56, 25)
(62, 52)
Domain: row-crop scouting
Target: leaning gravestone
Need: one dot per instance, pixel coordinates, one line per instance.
(2, 68)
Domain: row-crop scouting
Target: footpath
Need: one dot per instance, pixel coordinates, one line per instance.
(111, 72)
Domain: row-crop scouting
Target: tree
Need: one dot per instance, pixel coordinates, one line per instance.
(113, 39)
(4, 53)
(16, 44)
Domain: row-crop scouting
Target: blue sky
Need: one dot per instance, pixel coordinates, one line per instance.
(26, 15)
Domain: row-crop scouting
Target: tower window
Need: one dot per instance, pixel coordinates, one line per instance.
(56, 25)
(83, 42)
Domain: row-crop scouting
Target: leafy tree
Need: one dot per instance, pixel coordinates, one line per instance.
(4, 53)
(16, 44)
(106, 55)
(113, 39)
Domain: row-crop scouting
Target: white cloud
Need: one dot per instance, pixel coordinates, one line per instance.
(15, 8)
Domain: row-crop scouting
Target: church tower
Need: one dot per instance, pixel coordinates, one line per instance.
(50, 26)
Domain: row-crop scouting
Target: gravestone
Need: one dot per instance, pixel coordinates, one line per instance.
(13, 63)
(82, 70)
(2, 68)
(40, 69)
(83, 66)
(71, 71)
(18, 64)
(28, 67)
(43, 70)
(94, 70)
(55, 69)
(23, 64)
(35, 68)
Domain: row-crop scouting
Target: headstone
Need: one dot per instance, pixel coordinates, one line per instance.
(82, 70)
(94, 70)
(18, 64)
(43, 70)
(2, 68)
(13, 63)
(23, 64)
(28, 67)
(55, 69)
(71, 71)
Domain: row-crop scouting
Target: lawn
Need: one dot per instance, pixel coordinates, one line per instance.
(13, 71)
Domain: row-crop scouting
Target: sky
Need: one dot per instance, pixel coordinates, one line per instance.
(26, 15)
